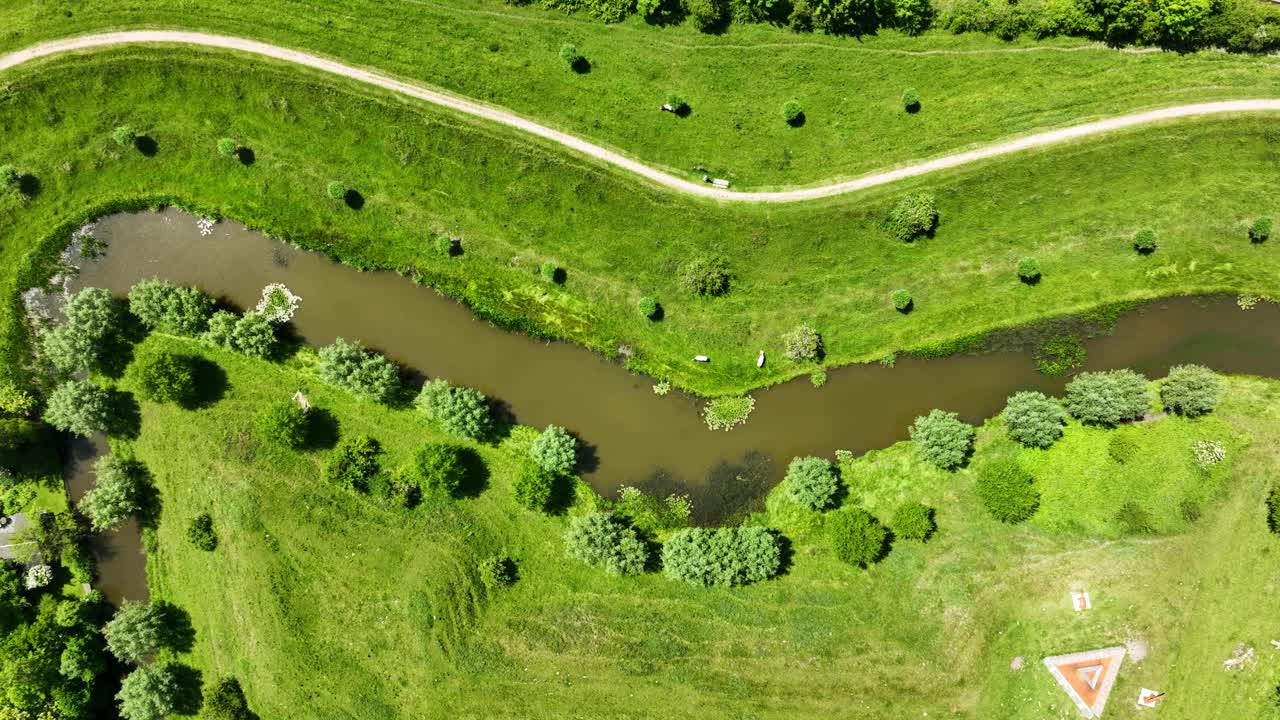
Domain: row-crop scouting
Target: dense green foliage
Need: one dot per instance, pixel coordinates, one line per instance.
(200, 533)
(227, 147)
(915, 216)
(555, 450)
(124, 135)
(497, 572)
(89, 338)
(79, 407)
(707, 277)
(1190, 390)
(649, 307)
(161, 305)
(1145, 241)
(116, 493)
(1060, 355)
(913, 521)
(721, 556)
(251, 333)
(1121, 447)
(802, 343)
(348, 365)
(942, 439)
(337, 190)
(52, 662)
(161, 376)
(440, 468)
(1107, 398)
(461, 411)
(1034, 419)
(354, 462)
(856, 536)
(1006, 491)
(283, 423)
(793, 112)
(649, 514)
(148, 693)
(599, 540)
(136, 631)
(1260, 230)
(533, 486)
(1029, 270)
(726, 413)
(902, 301)
(224, 700)
(812, 482)
(911, 100)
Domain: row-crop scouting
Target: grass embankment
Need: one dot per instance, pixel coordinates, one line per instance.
(515, 205)
(329, 604)
(973, 89)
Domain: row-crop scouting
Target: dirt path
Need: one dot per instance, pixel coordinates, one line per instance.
(612, 157)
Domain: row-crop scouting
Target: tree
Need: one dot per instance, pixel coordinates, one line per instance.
(1181, 22)
(1107, 398)
(283, 423)
(1006, 491)
(555, 450)
(80, 407)
(15, 400)
(706, 15)
(161, 305)
(802, 343)
(124, 135)
(148, 693)
(599, 540)
(533, 486)
(254, 336)
(551, 272)
(116, 492)
(9, 178)
(459, 410)
(721, 556)
(368, 374)
(677, 103)
(82, 659)
(942, 438)
(161, 376)
(227, 147)
(136, 631)
(1191, 390)
(856, 537)
(224, 700)
(200, 533)
(354, 462)
(914, 216)
(222, 327)
(90, 335)
(811, 481)
(913, 521)
(440, 468)
(1034, 419)
(707, 277)
(912, 16)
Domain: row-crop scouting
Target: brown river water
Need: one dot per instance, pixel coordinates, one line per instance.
(632, 436)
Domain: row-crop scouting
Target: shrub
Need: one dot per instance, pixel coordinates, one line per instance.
(705, 15)
(726, 413)
(38, 576)
(912, 17)
(801, 17)
(914, 216)
(1107, 398)
(224, 700)
(911, 100)
(1260, 230)
(1029, 270)
(649, 514)
(533, 486)
(8, 178)
(116, 493)
(336, 189)
(721, 556)
(802, 343)
(162, 376)
(200, 532)
(124, 135)
(227, 147)
(555, 450)
(1133, 519)
(1034, 419)
(1191, 390)
(283, 423)
(1121, 447)
(913, 521)
(444, 245)
(348, 365)
(222, 326)
(497, 572)
(16, 401)
(570, 55)
(79, 407)
(89, 337)
(459, 410)
(136, 631)
(161, 305)
(599, 540)
(82, 658)
(1145, 241)
(353, 463)
(902, 301)
(811, 481)
(942, 438)
(254, 336)
(648, 307)
(677, 103)
(856, 537)
(705, 276)
(550, 272)
(440, 468)
(818, 378)
(792, 112)
(148, 693)
(1006, 491)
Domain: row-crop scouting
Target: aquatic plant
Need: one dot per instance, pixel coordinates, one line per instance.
(278, 303)
(728, 412)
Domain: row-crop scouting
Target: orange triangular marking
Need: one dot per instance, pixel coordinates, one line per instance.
(1087, 677)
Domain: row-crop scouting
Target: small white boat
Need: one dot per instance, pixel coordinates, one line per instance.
(760, 360)
(701, 358)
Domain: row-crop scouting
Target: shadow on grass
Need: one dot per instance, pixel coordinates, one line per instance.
(354, 199)
(246, 156)
(126, 415)
(179, 633)
(29, 185)
(210, 383)
(190, 695)
(147, 145)
(323, 429)
(475, 477)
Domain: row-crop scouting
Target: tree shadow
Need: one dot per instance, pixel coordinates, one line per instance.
(588, 460)
(786, 553)
(659, 312)
(190, 694)
(246, 156)
(210, 384)
(323, 429)
(29, 185)
(683, 111)
(475, 474)
(126, 415)
(912, 108)
(146, 145)
(798, 121)
(1031, 281)
(671, 12)
(353, 199)
(582, 66)
(149, 501)
(179, 633)
(563, 493)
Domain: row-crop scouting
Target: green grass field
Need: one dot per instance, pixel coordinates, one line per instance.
(516, 204)
(975, 88)
(332, 604)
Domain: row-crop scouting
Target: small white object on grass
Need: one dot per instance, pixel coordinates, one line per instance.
(1080, 601)
(701, 358)
(1149, 698)
(760, 360)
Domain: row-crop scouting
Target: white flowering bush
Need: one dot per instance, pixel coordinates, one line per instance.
(1208, 453)
(278, 303)
(39, 576)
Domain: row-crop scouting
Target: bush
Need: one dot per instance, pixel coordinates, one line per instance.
(911, 100)
(1145, 241)
(801, 17)
(913, 521)
(116, 493)
(1006, 491)
(914, 216)
(648, 307)
(348, 365)
(124, 135)
(792, 112)
(222, 326)
(902, 301)
(353, 463)
(9, 178)
(1133, 519)
(677, 103)
(440, 468)
(1034, 419)
(254, 336)
(649, 514)
(224, 700)
(79, 407)
(942, 438)
(18, 433)
(1191, 390)
(707, 277)
(136, 631)
(1121, 447)
(200, 533)
(161, 305)
(706, 15)
(599, 540)
(726, 413)
(725, 557)
(336, 189)
(283, 423)
(802, 343)
(533, 487)
(912, 17)
(1107, 398)
(555, 450)
(550, 272)
(162, 376)
(570, 55)
(1260, 230)
(497, 572)
(148, 693)
(227, 147)
(445, 245)
(856, 537)
(459, 410)
(1029, 270)
(811, 481)
(16, 401)
(90, 336)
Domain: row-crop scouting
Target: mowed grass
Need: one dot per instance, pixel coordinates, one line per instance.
(328, 604)
(975, 88)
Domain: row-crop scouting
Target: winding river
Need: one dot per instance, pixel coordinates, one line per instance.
(632, 436)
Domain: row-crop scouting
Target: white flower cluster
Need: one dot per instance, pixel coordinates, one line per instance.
(205, 226)
(1208, 452)
(39, 576)
(278, 303)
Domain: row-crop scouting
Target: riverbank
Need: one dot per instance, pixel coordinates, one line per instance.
(514, 206)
